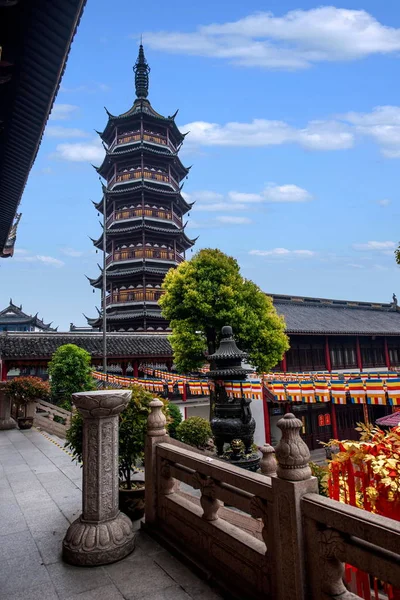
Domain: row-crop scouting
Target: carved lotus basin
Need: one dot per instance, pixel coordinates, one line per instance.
(102, 403)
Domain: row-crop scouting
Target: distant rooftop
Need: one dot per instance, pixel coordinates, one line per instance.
(13, 318)
(309, 315)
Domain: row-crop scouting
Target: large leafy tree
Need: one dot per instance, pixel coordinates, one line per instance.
(206, 293)
(70, 372)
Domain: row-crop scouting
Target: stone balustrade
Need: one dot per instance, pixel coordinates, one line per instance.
(52, 419)
(305, 538)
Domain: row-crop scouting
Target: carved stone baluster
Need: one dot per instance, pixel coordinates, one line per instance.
(209, 501)
(259, 510)
(156, 420)
(293, 480)
(292, 452)
(102, 534)
(332, 569)
(268, 460)
(6, 420)
(168, 484)
(156, 433)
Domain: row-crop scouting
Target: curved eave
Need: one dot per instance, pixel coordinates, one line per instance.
(141, 146)
(39, 36)
(140, 108)
(179, 234)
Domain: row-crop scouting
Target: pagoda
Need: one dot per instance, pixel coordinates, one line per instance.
(145, 235)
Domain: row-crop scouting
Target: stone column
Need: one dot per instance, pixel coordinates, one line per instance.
(6, 420)
(156, 433)
(293, 480)
(102, 534)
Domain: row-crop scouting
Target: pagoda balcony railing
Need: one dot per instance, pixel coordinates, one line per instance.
(148, 136)
(153, 213)
(147, 174)
(134, 296)
(145, 253)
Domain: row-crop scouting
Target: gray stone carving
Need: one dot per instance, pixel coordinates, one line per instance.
(6, 420)
(102, 534)
(268, 461)
(208, 501)
(292, 452)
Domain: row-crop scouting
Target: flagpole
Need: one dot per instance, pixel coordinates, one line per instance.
(104, 291)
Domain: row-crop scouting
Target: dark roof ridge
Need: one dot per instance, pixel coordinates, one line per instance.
(330, 302)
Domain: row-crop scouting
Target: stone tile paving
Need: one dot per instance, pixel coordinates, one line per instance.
(40, 495)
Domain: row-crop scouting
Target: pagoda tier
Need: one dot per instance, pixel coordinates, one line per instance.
(144, 230)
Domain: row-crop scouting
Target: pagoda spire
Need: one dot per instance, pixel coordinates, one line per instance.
(141, 70)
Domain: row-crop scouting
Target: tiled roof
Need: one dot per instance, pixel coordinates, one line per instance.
(14, 315)
(325, 316)
(43, 345)
(35, 38)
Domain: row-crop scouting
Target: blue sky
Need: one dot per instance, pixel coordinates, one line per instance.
(294, 114)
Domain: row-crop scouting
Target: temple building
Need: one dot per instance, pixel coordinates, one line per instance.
(331, 335)
(13, 318)
(144, 231)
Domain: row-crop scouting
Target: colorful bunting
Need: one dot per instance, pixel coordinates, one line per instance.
(357, 391)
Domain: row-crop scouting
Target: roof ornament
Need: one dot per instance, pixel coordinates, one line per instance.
(394, 301)
(141, 70)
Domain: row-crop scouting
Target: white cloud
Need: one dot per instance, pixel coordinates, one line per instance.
(203, 196)
(23, 256)
(376, 246)
(65, 132)
(385, 202)
(382, 124)
(80, 151)
(243, 197)
(62, 112)
(72, 252)
(296, 40)
(216, 202)
(221, 206)
(286, 193)
(233, 220)
(283, 253)
(317, 135)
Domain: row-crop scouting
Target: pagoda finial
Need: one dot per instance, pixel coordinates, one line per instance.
(141, 70)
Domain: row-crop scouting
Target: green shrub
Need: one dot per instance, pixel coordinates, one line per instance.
(132, 432)
(22, 390)
(195, 431)
(175, 419)
(322, 474)
(70, 372)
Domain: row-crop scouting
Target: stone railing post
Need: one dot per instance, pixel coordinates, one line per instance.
(156, 433)
(102, 534)
(268, 461)
(6, 420)
(293, 480)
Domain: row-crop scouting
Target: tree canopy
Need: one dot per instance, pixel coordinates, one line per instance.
(206, 293)
(70, 372)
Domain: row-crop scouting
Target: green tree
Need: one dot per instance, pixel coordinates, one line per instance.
(70, 372)
(208, 292)
(175, 419)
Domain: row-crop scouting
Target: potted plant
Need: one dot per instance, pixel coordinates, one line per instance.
(132, 434)
(25, 393)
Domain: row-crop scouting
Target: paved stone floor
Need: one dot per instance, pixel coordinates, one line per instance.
(40, 495)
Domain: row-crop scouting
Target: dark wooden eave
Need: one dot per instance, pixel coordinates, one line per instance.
(35, 36)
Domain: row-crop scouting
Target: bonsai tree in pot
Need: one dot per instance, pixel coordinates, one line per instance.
(25, 393)
(132, 434)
